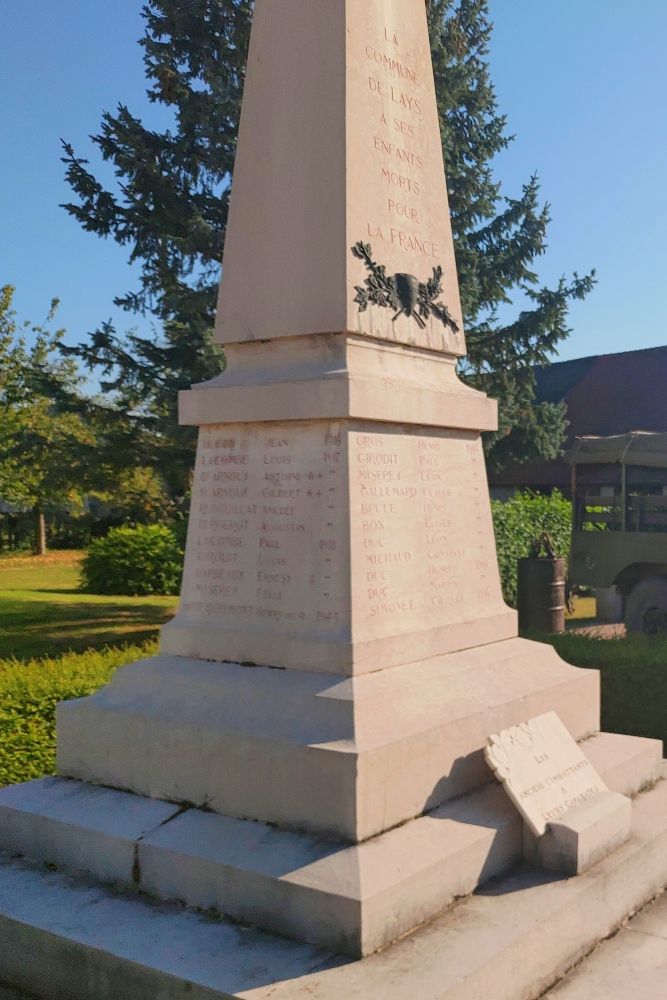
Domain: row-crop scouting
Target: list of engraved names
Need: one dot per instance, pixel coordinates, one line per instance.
(264, 549)
(423, 548)
(336, 531)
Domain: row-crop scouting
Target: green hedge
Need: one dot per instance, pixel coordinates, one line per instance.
(29, 693)
(135, 562)
(522, 519)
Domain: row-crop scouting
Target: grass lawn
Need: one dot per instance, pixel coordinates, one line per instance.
(634, 679)
(57, 644)
(584, 609)
(43, 614)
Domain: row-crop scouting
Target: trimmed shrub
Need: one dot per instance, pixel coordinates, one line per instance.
(518, 522)
(29, 693)
(135, 562)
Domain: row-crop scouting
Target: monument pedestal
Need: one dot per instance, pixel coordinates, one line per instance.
(346, 758)
(347, 897)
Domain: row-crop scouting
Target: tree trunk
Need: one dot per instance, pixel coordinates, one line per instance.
(40, 531)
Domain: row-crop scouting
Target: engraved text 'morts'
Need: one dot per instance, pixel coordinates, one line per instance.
(398, 180)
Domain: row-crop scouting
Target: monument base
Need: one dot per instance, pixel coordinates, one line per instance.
(351, 898)
(345, 757)
(64, 936)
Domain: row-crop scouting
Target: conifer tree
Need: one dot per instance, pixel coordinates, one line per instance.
(497, 243)
(170, 210)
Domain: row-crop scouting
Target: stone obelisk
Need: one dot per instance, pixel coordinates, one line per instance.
(340, 523)
(342, 650)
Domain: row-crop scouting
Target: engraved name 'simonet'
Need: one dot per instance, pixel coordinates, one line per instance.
(543, 769)
(398, 147)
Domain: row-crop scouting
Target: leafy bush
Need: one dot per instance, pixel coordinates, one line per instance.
(518, 522)
(29, 693)
(134, 561)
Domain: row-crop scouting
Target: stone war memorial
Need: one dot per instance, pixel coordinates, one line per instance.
(344, 777)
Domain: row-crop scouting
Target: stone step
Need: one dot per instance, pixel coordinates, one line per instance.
(63, 936)
(632, 964)
(347, 758)
(349, 898)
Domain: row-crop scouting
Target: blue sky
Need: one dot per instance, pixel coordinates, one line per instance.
(583, 83)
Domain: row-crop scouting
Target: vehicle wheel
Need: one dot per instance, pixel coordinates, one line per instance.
(646, 607)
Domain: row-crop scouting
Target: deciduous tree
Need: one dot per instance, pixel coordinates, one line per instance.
(46, 456)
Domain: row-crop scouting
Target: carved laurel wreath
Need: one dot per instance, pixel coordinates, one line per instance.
(402, 292)
(501, 746)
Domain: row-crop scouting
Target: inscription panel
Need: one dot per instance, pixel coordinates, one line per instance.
(267, 540)
(543, 769)
(398, 194)
(423, 548)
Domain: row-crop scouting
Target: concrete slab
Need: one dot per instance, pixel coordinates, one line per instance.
(78, 826)
(65, 937)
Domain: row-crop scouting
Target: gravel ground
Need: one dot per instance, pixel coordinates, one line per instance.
(595, 630)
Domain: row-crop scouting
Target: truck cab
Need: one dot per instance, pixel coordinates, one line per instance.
(619, 531)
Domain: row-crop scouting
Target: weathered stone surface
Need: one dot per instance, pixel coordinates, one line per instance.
(583, 835)
(78, 825)
(544, 771)
(346, 757)
(353, 898)
(59, 936)
(632, 965)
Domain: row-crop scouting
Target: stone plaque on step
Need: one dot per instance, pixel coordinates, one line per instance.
(544, 771)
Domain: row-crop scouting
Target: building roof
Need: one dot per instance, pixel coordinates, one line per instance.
(610, 393)
(607, 394)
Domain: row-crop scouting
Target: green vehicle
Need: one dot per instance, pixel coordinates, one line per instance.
(619, 537)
